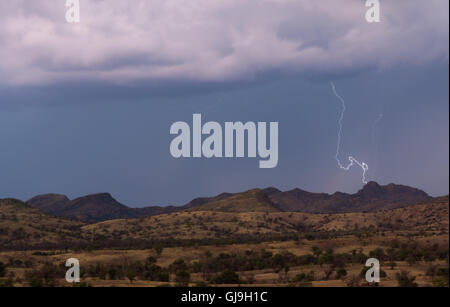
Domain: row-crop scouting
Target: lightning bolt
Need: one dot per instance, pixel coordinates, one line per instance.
(352, 161)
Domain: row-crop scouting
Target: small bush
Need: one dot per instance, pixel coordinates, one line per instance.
(341, 273)
(404, 280)
(226, 277)
(303, 277)
(6, 283)
(2, 269)
(182, 278)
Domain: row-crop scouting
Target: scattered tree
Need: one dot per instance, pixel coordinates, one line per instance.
(404, 280)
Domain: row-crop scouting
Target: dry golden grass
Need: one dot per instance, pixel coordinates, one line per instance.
(425, 224)
(20, 224)
(429, 217)
(265, 277)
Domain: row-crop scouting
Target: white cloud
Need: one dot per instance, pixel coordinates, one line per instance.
(125, 41)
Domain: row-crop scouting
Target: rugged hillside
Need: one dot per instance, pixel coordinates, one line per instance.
(371, 197)
(431, 216)
(203, 200)
(95, 207)
(22, 226)
(103, 207)
(50, 203)
(153, 210)
(92, 208)
(250, 201)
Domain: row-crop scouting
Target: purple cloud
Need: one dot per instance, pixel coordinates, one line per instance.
(126, 41)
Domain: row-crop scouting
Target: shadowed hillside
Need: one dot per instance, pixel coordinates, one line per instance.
(21, 225)
(92, 208)
(372, 197)
(24, 227)
(430, 216)
(50, 203)
(250, 201)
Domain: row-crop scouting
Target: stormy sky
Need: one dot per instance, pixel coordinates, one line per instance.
(86, 108)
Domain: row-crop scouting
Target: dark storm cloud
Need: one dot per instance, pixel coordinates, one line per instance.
(87, 108)
(122, 42)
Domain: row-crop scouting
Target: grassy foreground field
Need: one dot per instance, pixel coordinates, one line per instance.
(209, 248)
(133, 268)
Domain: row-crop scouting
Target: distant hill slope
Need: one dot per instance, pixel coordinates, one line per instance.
(431, 216)
(371, 197)
(95, 207)
(90, 208)
(250, 201)
(203, 200)
(102, 207)
(50, 203)
(22, 226)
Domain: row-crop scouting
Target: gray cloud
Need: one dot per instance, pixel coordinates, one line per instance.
(121, 42)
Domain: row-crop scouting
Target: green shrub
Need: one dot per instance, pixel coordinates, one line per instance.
(226, 277)
(341, 273)
(6, 283)
(182, 278)
(440, 282)
(35, 282)
(303, 277)
(2, 269)
(163, 276)
(404, 280)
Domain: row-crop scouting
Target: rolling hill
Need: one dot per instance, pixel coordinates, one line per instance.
(24, 227)
(250, 201)
(372, 197)
(92, 208)
(429, 216)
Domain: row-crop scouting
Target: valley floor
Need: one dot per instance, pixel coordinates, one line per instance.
(282, 272)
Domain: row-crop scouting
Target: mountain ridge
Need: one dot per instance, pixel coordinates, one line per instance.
(23, 227)
(371, 197)
(102, 206)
